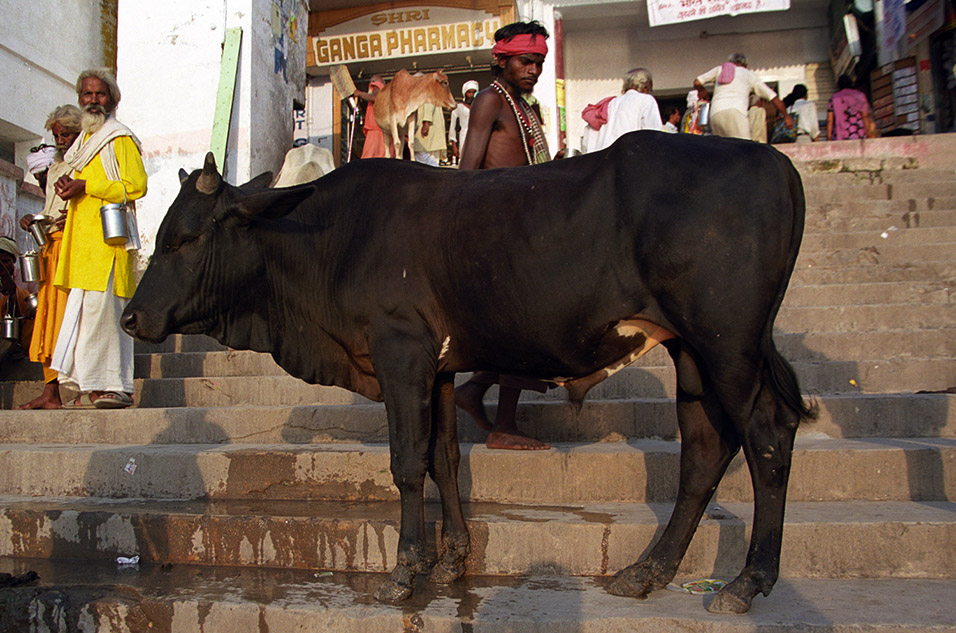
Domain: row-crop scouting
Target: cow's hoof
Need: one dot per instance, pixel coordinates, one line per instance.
(727, 602)
(398, 587)
(446, 573)
(630, 582)
(391, 592)
(451, 561)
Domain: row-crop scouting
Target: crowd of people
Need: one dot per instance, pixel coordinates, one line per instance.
(76, 334)
(738, 104)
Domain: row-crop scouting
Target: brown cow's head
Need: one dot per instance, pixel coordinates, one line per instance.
(201, 277)
(439, 93)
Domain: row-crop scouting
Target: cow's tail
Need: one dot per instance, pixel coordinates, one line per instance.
(782, 378)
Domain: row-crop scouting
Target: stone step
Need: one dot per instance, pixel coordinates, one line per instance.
(871, 469)
(878, 252)
(915, 237)
(882, 176)
(935, 151)
(190, 599)
(796, 347)
(838, 194)
(821, 193)
(905, 292)
(864, 318)
(906, 208)
(853, 415)
(652, 376)
(942, 272)
(822, 222)
(823, 540)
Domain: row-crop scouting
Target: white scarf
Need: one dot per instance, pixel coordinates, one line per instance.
(101, 143)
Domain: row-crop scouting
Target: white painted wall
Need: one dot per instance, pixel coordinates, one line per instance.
(44, 45)
(169, 57)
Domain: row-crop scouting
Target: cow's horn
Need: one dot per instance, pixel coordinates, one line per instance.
(209, 179)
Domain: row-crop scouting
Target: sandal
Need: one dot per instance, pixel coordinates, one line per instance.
(113, 400)
(82, 401)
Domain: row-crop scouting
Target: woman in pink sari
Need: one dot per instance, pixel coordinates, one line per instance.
(848, 113)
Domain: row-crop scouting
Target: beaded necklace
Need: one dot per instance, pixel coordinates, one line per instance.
(532, 137)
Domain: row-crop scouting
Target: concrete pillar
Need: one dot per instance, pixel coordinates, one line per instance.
(168, 69)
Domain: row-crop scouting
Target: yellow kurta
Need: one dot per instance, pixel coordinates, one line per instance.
(85, 259)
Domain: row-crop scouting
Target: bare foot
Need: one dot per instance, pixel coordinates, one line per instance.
(514, 440)
(49, 399)
(470, 397)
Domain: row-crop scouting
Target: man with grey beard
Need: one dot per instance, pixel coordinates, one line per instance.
(92, 353)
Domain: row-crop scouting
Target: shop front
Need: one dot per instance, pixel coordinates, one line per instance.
(454, 36)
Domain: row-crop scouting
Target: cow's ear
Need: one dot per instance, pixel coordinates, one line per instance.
(272, 203)
(261, 181)
(183, 175)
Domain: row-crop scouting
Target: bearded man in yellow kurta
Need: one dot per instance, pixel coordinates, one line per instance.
(92, 352)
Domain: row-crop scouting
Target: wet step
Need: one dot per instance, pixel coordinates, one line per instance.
(634, 471)
(822, 540)
(851, 415)
(191, 599)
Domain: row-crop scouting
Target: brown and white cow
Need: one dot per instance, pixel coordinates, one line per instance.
(398, 102)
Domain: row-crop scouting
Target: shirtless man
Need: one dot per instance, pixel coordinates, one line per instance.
(496, 138)
(504, 130)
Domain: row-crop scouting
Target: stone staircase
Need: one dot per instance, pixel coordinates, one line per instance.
(256, 500)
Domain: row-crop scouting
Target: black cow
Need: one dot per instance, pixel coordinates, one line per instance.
(387, 277)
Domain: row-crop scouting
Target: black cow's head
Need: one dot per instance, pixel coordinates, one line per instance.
(203, 275)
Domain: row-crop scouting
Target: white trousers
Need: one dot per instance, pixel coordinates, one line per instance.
(429, 158)
(92, 352)
(730, 123)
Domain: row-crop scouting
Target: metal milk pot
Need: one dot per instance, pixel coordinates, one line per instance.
(9, 327)
(113, 218)
(31, 268)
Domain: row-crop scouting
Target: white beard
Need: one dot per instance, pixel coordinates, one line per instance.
(92, 121)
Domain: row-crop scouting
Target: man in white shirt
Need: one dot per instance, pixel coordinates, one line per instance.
(634, 110)
(673, 120)
(733, 83)
(459, 117)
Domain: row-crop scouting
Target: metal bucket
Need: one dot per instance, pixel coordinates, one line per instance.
(31, 268)
(703, 117)
(113, 217)
(10, 327)
(38, 231)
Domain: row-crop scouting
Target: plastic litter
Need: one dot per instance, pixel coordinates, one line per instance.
(885, 234)
(699, 587)
(322, 574)
(124, 561)
(130, 466)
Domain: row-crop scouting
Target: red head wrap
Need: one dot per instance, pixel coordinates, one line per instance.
(521, 45)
